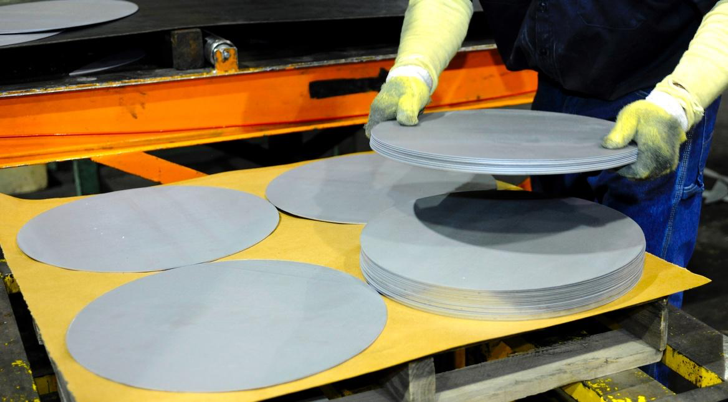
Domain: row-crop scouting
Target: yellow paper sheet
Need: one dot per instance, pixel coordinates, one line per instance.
(55, 295)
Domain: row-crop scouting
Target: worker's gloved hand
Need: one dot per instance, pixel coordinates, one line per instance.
(659, 123)
(658, 135)
(432, 32)
(401, 97)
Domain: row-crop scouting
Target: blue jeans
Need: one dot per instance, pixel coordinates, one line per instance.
(666, 208)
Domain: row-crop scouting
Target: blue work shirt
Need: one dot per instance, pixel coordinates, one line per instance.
(603, 49)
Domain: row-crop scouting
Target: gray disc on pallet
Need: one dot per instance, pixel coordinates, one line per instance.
(41, 16)
(227, 326)
(148, 229)
(355, 188)
(502, 141)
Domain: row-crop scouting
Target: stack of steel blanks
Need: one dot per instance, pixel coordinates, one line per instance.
(503, 142)
(502, 255)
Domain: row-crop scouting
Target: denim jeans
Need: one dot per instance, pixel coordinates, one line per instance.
(666, 208)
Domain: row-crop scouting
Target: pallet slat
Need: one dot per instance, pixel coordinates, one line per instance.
(534, 372)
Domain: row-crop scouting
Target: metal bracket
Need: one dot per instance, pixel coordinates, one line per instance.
(221, 53)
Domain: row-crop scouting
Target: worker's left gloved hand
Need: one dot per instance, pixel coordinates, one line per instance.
(658, 126)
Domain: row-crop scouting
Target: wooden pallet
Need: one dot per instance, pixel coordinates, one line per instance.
(574, 365)
(694, 351)
(601, 367)
(635, 337)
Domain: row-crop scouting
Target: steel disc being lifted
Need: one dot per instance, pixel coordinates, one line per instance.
(502, 141)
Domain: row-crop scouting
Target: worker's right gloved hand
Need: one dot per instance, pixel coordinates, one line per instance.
(432, 32)
(401, 97)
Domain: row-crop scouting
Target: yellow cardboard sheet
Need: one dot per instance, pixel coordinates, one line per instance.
(56, 295)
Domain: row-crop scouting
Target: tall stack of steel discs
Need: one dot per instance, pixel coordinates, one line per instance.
(478, 255)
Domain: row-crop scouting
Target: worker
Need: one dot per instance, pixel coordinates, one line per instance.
(656, 68)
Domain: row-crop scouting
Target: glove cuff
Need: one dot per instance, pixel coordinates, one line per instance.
(690, 105)
(671, 105)
(412, 71)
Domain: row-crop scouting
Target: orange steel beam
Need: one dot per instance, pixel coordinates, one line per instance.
(106, 121)
(242, 99)
(19, 151)
(149, 167)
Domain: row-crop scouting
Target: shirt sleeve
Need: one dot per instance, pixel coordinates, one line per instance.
(432, 33)
(702, 74)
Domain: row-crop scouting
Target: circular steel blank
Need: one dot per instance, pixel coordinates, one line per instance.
(148, 229)
(355, 188)
(227, 326)
(14, 39)
(55, 15)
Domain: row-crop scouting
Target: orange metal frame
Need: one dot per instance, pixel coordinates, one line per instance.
(148, 166)
(137, 116)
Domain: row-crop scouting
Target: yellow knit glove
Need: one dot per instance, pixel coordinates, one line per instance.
(658, 124)
(658, 136)
(432, 32)
(402, 98)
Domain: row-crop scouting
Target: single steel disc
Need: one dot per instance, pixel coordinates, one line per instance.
(54, 15)
(148, 229)
(227, 326)
(355, 188)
